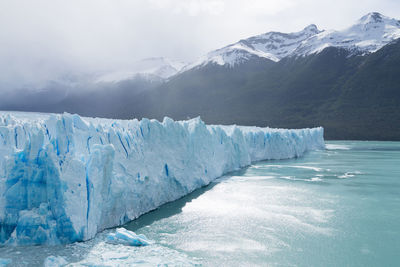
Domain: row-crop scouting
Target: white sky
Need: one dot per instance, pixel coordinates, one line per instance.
(40, 39)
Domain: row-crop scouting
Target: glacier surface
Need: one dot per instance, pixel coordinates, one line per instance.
(63, 178)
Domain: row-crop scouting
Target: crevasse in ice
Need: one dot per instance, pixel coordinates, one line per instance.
(63, 178)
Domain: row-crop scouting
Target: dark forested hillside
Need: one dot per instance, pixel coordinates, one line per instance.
(352, 97)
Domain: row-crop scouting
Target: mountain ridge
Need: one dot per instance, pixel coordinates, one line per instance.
(370, 33)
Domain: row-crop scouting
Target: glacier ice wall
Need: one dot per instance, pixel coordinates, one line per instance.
(64, 178)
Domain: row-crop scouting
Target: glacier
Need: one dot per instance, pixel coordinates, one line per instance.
(64, 178)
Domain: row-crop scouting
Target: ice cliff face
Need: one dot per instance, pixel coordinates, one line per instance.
(64, 178)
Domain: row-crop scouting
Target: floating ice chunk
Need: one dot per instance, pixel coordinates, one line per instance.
(4, 262)
(54, 261)
(126, 237)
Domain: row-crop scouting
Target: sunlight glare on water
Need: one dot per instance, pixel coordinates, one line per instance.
(335, 207)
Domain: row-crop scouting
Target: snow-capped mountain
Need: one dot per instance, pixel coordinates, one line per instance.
(271, 45)
(368, 34)
(149, 68)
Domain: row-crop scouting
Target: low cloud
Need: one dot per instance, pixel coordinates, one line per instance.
(43, 40)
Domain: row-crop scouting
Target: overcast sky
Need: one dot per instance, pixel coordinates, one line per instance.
(40, 39)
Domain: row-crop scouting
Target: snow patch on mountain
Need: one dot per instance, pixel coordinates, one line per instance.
(149, 68)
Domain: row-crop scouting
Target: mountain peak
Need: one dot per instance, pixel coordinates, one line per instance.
(157, 68)
(375, 18)
(375, 22)
(372, 17)
(271, 45)
(312, 28)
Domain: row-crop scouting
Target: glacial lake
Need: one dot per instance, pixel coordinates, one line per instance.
(336, 207)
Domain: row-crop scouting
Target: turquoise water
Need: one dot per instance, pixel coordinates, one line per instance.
(337, 207)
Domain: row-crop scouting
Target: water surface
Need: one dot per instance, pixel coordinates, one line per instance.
(337, 207)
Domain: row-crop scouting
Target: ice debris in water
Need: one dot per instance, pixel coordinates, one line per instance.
(64, 178)
(126, 237)
(55, 261)
(4, 262)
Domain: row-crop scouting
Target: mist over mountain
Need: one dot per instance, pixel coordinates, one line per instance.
(346, 81)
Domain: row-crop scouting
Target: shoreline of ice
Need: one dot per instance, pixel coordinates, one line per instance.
(64, 178)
